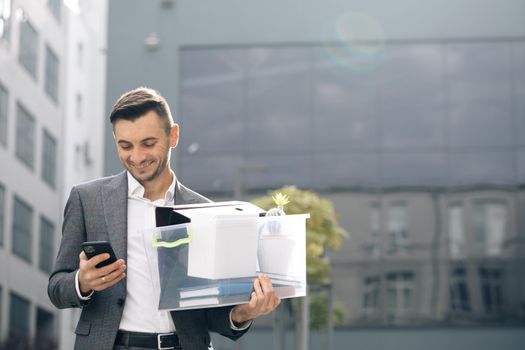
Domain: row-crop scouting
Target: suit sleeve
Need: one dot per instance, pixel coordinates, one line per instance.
(61, 286)
(219, 321)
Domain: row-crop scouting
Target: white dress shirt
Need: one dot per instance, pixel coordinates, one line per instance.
(141, 300)
(141, 312)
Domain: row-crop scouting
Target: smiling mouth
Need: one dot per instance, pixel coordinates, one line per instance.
(143, 165)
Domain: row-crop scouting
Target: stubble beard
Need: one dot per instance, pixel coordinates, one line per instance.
(148, 177)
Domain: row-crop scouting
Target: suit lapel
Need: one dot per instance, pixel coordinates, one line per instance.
(115, 203)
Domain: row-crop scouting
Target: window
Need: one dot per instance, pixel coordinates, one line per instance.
(491, 294)
(28, 48)
(22, 229)
(49, 159)
(397, 227)
(3, 115)
(55, 8)
(45, 328)
(51, 74)
(19, 316)
(373, 245)
(459, 295)
(2, 214)
(25, 136)
(456, 234)
(47, 230)
(370, 295)
(400, 290)
(5, 19)
(490, 225)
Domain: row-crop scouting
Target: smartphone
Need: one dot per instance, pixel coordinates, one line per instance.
(94, 248)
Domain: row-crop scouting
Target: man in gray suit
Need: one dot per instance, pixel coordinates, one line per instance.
(117, 301)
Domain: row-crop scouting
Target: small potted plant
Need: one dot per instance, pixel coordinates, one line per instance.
(275, 243)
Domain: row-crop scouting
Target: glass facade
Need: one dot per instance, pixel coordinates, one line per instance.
(420, 145)
(450, 113)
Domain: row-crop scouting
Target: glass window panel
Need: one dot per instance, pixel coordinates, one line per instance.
(490, 226)
(3, 115)
(22, 229)
(28, 47)
(6, 11)
(2, 214)
(51, 74)
(278, 111)
(211, 118)
(521, 165)
(49, 159)
(456, 232)
(19, 315)
(491, 289)
(25, 136)
(400, 290)
(273, 171)
(46, 245)
(211, 107)
(481, 168)
(413, 169)
(344, 106)
(397, 228)
(346, 170)
(519, 98)
(207, 66)
(208, 173)
(45, 328)
(459, 293)
(411, 100)
(479, 91)
(373, 244)
(371, 295)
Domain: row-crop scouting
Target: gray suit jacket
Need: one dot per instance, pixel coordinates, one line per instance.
(97, 211)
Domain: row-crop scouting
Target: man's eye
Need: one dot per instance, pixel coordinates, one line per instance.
(125, 147)
(149, 144)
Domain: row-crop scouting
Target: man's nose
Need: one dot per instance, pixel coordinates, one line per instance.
(137, 156)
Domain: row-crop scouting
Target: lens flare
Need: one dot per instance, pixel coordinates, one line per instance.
(355, 40)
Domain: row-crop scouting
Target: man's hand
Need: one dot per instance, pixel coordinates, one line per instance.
(90, 278)
(262, 301)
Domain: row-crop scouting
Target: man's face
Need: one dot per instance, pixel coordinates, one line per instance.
(144, 147)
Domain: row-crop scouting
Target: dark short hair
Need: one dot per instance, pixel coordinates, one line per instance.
(137, 102)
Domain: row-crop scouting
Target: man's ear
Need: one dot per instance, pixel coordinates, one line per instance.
(174, 135)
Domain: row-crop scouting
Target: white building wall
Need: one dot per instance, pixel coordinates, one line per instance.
(83, 136)
(86, 26)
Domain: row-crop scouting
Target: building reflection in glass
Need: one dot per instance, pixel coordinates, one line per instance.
(422, 152)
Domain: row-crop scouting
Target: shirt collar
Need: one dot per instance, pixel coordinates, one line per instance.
(135, 189)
